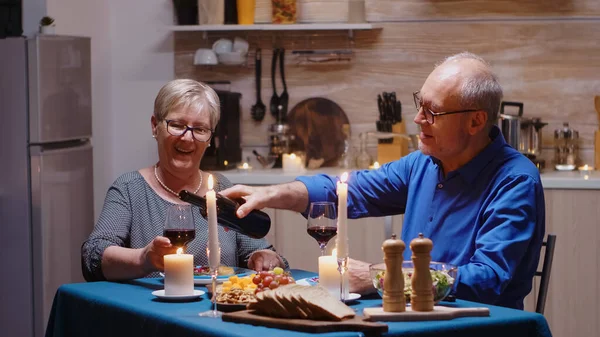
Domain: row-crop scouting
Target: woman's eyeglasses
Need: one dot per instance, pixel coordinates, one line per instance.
(176, 128)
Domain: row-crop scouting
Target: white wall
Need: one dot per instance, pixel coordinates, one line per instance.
(132, 57)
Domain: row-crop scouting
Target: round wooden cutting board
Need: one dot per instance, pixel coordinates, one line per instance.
(317, 124)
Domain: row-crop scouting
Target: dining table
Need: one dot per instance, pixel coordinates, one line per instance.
(130, 309)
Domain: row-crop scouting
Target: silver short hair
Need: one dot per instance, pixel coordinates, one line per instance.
(187, 93)
(482, 91)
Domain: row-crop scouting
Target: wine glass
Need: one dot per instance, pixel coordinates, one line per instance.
(179, 225)
(322, 222)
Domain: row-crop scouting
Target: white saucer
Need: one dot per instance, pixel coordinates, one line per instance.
(352, 297)
(161, 294)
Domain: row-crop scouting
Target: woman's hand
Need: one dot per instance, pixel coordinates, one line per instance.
(152, 257)
(264, 259)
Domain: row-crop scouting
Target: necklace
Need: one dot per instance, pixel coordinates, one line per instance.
(170, 190)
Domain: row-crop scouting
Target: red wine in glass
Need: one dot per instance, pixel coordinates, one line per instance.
(322, 222)
(322, 234)
(180, 237)
(179, 225)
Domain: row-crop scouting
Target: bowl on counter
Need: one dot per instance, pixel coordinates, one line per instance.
(442, 275)
(231, 58)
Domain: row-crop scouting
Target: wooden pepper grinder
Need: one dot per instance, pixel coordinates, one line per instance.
(393, 282)
(421, 298)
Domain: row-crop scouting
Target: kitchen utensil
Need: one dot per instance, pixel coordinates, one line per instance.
(317, 126)
(204, 56)
(274, 103)
(356, 324)
(258, 109)
(231, 58)
(266, 161)
(240, 45)
(284, 97)
(511, 124)
(222, 46)
(439, 313)
(565, 148)
(530, 140)
(279, 141)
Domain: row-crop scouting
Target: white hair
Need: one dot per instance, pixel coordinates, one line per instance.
(187, 93)
(482, 91)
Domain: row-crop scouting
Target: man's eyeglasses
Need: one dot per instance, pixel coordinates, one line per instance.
(176, 128)
(429, 114)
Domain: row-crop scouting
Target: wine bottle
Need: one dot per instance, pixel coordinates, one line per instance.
(255, 225)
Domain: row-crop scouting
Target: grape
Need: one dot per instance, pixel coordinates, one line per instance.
(264, 274)
(284, 280)
(256, 279)
(278, 270)
(273, 285)
(267, 281)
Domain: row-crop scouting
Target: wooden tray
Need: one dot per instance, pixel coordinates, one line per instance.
(439, 313)
(355, 324)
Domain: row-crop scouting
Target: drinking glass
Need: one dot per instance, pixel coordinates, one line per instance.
(179, 225)
(214, 272)
(322, 222)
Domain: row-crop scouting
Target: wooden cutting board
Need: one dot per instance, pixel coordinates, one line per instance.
(355, 324)
(439, 313)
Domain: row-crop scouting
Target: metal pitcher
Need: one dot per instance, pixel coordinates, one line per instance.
(523, 134)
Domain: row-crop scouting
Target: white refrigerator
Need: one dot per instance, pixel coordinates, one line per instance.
(46, 190)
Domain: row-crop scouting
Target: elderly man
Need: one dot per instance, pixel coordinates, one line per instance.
(480, 201)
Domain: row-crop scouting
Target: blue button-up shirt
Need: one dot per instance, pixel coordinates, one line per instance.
(487, 217)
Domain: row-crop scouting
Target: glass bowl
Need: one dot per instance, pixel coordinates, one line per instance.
(442, 275)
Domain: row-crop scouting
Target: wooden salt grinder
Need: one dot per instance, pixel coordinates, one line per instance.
(393, 282)
(421, 298)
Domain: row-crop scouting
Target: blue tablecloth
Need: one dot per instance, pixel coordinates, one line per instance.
(111, 309)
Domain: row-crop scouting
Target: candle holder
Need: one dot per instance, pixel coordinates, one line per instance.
(342, 268)
(585, 171)
(214, 273)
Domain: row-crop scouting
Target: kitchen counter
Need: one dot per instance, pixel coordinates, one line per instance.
(550, 179)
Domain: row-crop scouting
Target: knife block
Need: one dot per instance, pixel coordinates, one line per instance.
(597, 150)
(397, 149)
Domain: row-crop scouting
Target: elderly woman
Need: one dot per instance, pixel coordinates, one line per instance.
(126, 242)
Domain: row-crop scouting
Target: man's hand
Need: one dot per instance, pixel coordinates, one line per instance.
(359, 277)
(264, 259)
(152, 257)
(291, 196)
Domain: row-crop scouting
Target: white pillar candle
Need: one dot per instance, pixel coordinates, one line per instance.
(342, 230)
(214, 253)
(179, 274)
(329, 276)
(292, 163)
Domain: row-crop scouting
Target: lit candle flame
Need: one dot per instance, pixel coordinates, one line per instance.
(179, 251)
(344, 177)
(585, 167)
(293, 156)
(210, 182)
(245, 165)
(376, 165)
(225, 163)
